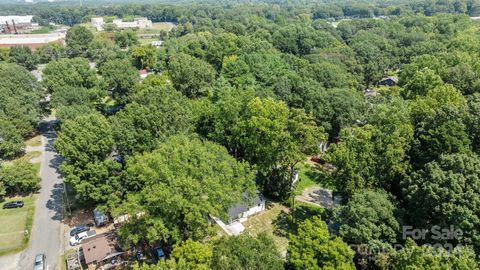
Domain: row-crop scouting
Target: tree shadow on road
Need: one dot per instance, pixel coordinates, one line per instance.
(55, 202)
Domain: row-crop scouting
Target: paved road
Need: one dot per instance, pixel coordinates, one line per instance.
(46, 229)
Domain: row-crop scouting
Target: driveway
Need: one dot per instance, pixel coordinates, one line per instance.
(46, 230)
(319, 196)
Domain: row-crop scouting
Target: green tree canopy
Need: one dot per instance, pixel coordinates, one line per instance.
(119, 76)
(19, 177)
(312, 248)
(368, 216)
(374, 155)
(11, 141)
(191, 76)
(413, 257)
(155, 113)
(144, 56)
(180, 184)
(85, 139)
(19, 101)
(22, 55)
(446, 193)
(78, 38)
(246, 252)
(73, 72)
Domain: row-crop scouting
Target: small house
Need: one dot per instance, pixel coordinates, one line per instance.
(388, 81)
(100, 252)
(242, 211)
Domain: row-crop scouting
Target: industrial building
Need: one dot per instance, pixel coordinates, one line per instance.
(139, 23)
(15, 24)
(33, 41)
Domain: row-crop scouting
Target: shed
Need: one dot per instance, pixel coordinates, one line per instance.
(388, 81)
(99, 218)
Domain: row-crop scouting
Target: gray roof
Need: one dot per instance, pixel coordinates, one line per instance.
(393, 78)
(239, 208)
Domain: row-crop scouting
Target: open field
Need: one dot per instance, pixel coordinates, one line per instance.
(43, 30)
(16, 225)
(32, 157)
(157, 27)
(34, 141)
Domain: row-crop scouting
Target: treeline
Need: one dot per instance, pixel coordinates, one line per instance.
(68, 13)
(239, 99)
(20, 111)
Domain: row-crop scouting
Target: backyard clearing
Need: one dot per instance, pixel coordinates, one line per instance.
(16, 225)
(34, 141)
(265, 222)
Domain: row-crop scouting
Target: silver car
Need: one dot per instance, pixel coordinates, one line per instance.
(39, 262)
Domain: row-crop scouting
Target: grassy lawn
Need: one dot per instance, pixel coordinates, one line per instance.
(147, 41)
(27, 157)
(15, 222)
(156, 28)
(308, 177)
(266, 222)
(43, 30)
(311, 174)
(35, 141)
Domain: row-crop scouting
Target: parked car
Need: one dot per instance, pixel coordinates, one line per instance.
(79, 229)
(39, 262)
(75, 240)
(14, 204)
(159, 253)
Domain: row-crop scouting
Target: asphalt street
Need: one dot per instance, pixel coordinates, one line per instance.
(47, 229)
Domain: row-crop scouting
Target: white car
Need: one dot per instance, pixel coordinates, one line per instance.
(76, 239)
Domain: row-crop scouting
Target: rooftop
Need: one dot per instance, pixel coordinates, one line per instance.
(30, 38)
(16, 19)
(98, 248)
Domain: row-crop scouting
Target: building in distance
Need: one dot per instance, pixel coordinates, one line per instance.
(33, 41)
(137, 23)
(15, 24)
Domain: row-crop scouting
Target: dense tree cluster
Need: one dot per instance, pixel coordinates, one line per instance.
(241, 95)
(19, 108)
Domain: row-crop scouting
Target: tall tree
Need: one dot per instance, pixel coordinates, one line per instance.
(119, 76)
(473, 121)
(23, 56)
(73, 72)
(312, 248)
(180, 184)
(273, 136)
(154, 114)
(144, 57)
(85, 139)
(11, 141)
(446, 193)
(191, 76)
(20, 96)
(246, 252)
(369, 219)
(78, 38)
(413, 257)
(374, 155)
